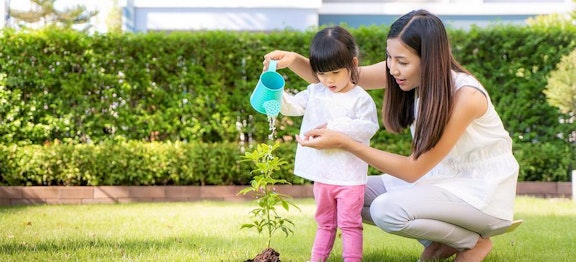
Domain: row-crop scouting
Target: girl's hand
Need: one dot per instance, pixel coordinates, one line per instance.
(322, 126)
(284, 59)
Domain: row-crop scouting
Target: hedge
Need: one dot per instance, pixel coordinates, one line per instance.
(178, 163)
(82, 91)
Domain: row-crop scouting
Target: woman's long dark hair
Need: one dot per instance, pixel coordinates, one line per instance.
(425, 34)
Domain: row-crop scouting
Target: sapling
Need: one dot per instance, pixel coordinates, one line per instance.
(266, 217)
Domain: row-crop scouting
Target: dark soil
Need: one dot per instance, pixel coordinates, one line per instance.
(268, 255)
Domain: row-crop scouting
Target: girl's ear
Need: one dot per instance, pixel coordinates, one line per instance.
(355, 59)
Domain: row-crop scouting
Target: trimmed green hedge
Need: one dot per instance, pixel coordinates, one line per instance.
(83, 93)
(194, 86)
(177, 163)
(131, 163)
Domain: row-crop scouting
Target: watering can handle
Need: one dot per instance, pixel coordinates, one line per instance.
(272, 65)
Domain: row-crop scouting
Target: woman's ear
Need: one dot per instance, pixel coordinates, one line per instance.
(355, 59)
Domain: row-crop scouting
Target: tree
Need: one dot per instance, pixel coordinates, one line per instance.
(573, 14)
(561, 88)
(267, 219)
(43, 13)
(562, 19)
(555, 19)
(114, 19)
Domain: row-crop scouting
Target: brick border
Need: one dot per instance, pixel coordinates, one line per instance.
(19, 195)
(545, 189)
(30, 195)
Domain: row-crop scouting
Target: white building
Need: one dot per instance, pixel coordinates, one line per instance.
(266, 15)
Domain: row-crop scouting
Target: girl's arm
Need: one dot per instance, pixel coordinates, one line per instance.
(469, 104)
(371, 76)
(294, 61)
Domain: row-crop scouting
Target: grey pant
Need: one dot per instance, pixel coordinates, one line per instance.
(427, 213)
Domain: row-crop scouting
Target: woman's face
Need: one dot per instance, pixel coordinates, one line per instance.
(404, 64)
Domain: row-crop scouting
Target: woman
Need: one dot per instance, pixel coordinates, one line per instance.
(458, 186)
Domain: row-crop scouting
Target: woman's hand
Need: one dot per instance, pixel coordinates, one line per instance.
(322, 139)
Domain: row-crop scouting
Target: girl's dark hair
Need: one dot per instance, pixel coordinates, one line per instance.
(425, 34)
(334, 48)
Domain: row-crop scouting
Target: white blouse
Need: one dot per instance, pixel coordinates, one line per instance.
(352, 113)
(481, 168)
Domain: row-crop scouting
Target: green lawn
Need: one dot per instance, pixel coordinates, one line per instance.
(210, 231)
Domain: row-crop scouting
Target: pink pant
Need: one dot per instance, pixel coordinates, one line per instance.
(338, 207)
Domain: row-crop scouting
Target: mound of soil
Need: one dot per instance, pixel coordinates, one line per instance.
(268, 255)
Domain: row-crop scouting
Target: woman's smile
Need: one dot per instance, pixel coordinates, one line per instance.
(400, 82)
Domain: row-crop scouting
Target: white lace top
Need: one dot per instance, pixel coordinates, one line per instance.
(481, 168)
(352, 113)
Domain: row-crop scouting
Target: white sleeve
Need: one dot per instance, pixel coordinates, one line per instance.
(363, 126)
(294, 105)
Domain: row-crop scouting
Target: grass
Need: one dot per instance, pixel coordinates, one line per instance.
(210, 231)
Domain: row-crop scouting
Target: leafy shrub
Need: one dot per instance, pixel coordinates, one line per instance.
(164, 108)
(544, 161)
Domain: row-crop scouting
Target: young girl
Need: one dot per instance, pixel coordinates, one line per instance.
(335, 103)
(458, 186)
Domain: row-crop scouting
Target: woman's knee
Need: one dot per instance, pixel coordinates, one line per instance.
(388, 214)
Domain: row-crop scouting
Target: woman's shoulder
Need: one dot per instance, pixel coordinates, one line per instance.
(462, 79)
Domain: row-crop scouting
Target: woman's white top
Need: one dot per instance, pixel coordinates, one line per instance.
(481, 168)
(352, 113)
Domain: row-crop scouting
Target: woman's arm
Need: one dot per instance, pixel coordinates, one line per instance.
(469, 105)
(373, 76)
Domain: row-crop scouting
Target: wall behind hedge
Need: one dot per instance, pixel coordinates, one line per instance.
(194, 86)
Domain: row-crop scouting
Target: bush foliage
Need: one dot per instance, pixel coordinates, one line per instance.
(169, 108)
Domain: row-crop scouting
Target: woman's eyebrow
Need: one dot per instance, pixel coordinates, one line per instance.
(398, 56)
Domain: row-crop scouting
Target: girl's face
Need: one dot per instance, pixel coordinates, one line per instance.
(337, 80)
(404, 64)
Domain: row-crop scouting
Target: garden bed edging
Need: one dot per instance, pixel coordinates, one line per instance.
(30, 195)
